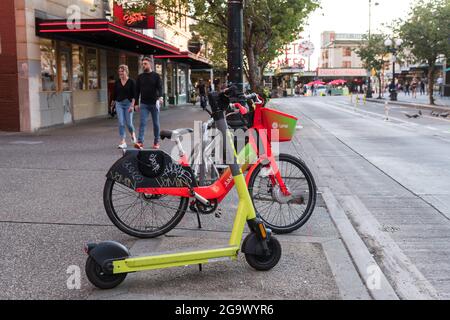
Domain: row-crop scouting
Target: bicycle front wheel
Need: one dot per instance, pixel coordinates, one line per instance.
(142, 215)
(284, 214)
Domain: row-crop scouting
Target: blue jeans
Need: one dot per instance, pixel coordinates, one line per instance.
(146, 110)
(124, 117)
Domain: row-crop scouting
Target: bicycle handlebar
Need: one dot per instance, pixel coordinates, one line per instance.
(253, 96)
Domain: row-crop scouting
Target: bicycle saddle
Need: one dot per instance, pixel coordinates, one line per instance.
(173, 134)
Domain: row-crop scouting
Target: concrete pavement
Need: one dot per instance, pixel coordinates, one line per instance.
(51, 206)
(392, 173)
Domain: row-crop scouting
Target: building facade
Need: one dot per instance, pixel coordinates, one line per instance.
(338, 51)
(58, 56)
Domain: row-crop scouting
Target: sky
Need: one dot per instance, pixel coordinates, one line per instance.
(351, 16)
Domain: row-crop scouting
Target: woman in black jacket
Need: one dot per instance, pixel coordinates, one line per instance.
(124, 98)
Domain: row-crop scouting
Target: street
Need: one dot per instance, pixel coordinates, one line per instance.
(384, 202)
(391, 174)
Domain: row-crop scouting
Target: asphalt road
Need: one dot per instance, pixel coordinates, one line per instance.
(51, 205)
(392, 173)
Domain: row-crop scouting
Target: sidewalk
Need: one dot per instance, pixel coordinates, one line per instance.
(442, 104)
(52, 205)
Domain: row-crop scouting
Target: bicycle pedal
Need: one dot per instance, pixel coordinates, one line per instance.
(193, 208)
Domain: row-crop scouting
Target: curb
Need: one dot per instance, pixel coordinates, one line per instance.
(412, 105)
(408, 281)
(362, 258)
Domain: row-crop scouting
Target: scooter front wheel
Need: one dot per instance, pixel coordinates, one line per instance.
(99, 278)
(266, 262)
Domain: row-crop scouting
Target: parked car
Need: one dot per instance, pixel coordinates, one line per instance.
(321, 90)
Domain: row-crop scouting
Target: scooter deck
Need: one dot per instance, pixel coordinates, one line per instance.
(175, 260)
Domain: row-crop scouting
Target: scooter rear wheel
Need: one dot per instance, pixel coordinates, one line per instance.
(266, 262)
(101, 280)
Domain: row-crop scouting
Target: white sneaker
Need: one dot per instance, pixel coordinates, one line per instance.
(133, 140)
(122, 146)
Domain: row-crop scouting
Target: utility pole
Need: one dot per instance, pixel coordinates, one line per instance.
(235, 43)
(369, 86)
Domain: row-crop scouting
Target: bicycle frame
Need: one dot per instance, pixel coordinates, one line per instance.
(245, 214)
(250, 157)
(112, 258)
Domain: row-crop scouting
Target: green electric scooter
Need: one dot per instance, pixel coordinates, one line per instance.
(109, 262)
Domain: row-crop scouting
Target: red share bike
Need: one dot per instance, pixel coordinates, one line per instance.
(147, 193)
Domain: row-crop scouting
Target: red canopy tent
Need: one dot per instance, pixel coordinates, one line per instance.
(337, 82)
(317, 82)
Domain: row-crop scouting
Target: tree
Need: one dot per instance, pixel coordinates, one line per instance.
(269, 25)
(372, 52)
(426, 33)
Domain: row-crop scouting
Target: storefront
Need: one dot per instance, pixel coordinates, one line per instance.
(181, 74)
(356, 78)
(62, 71)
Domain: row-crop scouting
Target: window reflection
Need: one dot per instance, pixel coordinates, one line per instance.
(92, 65)
(48, 65)
(78, 82)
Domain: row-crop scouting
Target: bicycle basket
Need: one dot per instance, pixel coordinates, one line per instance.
(280, 126)
(151, 163)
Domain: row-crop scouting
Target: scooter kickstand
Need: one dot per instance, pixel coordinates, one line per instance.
(200, 267)
(198, 220)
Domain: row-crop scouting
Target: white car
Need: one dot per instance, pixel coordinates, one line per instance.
(321, 90)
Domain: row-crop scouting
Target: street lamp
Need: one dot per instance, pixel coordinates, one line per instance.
(393, 46)
(369, 87)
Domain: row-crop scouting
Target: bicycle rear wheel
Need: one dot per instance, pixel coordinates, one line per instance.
(284, 214)
(142, 215)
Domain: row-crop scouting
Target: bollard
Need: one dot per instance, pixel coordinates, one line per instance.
(365, 99)
(386, 111)
(351, 97)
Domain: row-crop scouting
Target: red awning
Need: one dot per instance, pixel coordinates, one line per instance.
(103, 33)
(195, 61)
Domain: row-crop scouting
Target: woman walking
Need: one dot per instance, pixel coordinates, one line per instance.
(414, 88)
(124, 99)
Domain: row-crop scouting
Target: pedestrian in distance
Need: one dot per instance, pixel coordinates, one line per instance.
(202, 93)
(440, 83)
(422, 87)
(407, 85)
(414, 86)
(123, 98)
(149, 93)
(111, 106)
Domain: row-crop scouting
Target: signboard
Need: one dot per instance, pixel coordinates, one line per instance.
(342, 73)
(291, 56)
(134, 15)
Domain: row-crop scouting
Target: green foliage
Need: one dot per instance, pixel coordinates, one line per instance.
(372, 51)
(426, 34)
(268, 26)
(426, 31)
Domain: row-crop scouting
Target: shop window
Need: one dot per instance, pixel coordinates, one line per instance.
(182, 86)
(92, 69)
(347, 64)
(48, 65)
(78, 72)
(347, 52)
(159, 68)
(64, 63)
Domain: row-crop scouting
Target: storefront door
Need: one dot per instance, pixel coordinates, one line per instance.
(65, 66)
(182, 85)
(171, 83)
